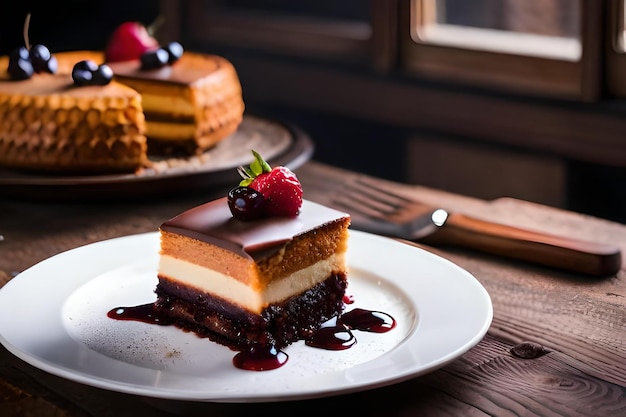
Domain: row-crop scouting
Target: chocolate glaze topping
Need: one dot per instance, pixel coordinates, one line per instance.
(190, 68)
(213, 222)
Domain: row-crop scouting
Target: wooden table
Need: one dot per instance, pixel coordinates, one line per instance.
(577, 325)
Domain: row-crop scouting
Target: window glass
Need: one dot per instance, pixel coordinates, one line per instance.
(621, 29)
(544, 28)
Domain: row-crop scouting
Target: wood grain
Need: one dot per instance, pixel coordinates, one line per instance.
(579, 323)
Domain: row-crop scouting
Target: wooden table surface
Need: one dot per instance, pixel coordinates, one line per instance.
(576, 324)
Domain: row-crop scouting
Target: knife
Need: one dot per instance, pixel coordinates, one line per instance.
(579, 256)
(375, 209)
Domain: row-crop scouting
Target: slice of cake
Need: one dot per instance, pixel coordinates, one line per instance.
(264, 280)
(190, 104)
(49, 123)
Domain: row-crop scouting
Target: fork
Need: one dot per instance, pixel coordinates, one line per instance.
(378, 210)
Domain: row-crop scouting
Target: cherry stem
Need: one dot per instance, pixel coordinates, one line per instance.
(155, 26)
(26, 26)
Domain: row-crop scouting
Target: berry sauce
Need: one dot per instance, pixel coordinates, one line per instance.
(264, 358)
(145, 313)
(260, 358)
(331, 338)
(367, 320)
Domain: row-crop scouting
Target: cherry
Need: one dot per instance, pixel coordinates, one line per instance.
(245, 203)
(26, 60)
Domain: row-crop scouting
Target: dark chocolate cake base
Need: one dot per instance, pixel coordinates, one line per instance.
(227, 324)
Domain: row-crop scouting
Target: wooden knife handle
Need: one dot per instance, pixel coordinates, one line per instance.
(564, 253)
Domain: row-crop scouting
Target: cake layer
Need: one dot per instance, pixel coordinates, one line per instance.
(48, 123)
(213, 223)
(197, 100)
(278, 325)
(169, 132)
(193, 69)
(254, 299)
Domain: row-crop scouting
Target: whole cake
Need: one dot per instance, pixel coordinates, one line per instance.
(259, 269)
(50, 122)
(190, 104)
(165, 102)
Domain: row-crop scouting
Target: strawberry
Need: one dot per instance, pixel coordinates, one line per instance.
(128, 42)
(281, 189)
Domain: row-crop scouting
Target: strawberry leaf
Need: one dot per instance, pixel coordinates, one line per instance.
(259, 165)
(246, 182)
(256, 168)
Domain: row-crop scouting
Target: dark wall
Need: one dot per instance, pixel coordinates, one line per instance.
(69, 24)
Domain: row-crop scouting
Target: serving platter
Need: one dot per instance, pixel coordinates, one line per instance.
(279, 143)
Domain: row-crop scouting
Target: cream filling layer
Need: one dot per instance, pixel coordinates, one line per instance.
(172, 132)
(175, 104)
(228, 288)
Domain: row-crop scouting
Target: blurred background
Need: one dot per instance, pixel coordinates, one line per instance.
(489, 98)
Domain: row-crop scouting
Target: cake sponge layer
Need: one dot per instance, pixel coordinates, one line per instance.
(48, 123)
(278, 325)
(253, 299)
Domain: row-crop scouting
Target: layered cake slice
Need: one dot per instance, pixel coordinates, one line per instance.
(260, 268)
(190, 104)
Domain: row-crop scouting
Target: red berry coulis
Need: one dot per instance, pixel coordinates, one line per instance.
(367, 320)
(260, 358)
(145, 313)
(264, 358)
(332, 338)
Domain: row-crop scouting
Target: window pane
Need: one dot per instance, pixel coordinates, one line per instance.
(544, 28)
(621, 34)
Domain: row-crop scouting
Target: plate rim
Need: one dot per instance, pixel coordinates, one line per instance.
(63, 371)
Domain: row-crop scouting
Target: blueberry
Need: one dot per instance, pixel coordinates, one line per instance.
(20, 69)
(89, 73)
(175, 51)
(51, 66)
(39, 56)
(20, 53)
(86, 65)
(81, 76)
(103, 75)
(154, 59)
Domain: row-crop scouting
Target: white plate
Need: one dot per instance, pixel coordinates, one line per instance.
(54, 317)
